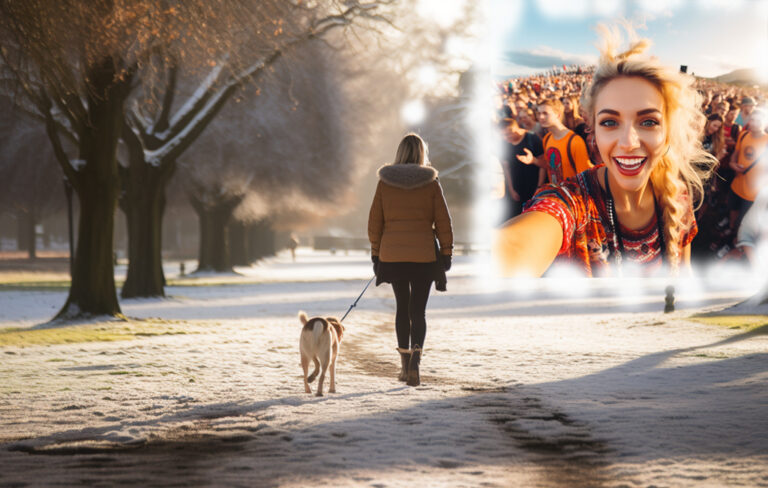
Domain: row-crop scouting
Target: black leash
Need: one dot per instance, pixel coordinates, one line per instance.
(358, 299)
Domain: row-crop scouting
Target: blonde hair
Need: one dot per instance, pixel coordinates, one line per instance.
(677, 177)
(412, 150)
(572, 119)
(556, 105)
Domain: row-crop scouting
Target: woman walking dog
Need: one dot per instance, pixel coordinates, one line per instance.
(407, 214)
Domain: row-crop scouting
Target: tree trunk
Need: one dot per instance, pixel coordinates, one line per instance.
(21, 233)
(93, 283)
(143, 203)
(31, 234)
(261, 239)
(214, 233)
(25, 237)
(238, 244)
(46, 238)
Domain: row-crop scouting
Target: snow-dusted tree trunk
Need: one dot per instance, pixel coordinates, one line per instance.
(156, 142)
(96, 182)
(143, 202)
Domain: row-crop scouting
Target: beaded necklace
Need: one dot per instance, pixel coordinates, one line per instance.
(618, 242)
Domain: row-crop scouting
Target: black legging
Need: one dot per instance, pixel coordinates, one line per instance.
(410, 320)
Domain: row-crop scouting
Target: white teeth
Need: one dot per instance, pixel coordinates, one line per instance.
(630, 163)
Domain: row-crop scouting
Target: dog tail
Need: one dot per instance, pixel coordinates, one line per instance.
(303, 317)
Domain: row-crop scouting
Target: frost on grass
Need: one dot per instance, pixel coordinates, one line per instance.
(520, 389)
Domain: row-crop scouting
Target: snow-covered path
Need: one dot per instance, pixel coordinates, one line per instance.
(538, 386)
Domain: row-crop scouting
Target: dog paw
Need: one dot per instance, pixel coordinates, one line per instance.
(307, 391)
(332, 390)
(319, 394)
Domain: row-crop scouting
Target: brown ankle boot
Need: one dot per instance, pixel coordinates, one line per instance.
(405, 358)
(413, 367)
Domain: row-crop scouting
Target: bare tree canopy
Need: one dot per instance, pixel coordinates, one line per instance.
(74, 64)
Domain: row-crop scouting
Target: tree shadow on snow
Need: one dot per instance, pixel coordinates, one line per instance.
(638, 411)
(456, 434)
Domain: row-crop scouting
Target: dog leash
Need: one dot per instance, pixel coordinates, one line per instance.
(358, 299)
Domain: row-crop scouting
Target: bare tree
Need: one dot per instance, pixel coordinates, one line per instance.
(284, 148)
(76, 63)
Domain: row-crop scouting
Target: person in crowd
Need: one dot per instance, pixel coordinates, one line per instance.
(521, 104)
(571, 115)
(714, 137)
(521, 180)
(527, 120)
(717, 98)
(721, 109)
(732, 130)
(637, 209)
(407, 220)
(713, 141)
(747, 107)
(750, 164)
(565, 152)
(730, 127)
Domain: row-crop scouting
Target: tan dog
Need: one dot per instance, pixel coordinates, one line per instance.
(319, 342)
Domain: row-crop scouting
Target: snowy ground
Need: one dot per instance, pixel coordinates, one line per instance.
(547, 383)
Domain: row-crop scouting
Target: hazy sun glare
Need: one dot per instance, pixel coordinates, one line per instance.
(443, 12)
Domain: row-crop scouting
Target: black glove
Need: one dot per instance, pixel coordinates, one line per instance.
(375, 260)
(446, 262)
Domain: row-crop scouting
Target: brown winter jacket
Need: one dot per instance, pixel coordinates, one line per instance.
(408, 201)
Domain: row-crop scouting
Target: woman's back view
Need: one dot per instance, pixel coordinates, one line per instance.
(407, 214)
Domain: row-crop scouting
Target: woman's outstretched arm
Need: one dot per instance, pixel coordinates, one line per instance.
(528, 244)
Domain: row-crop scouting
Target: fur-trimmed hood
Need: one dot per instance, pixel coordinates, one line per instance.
(407, 176)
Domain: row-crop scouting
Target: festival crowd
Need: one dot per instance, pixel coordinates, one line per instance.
(546, 139)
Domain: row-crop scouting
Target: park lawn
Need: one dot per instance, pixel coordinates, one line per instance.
(35, 286)
(33, 281)
(747, 323)
(116, 330)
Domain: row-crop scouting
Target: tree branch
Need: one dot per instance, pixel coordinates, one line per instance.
(61, 128)
(163, 122)
(196, 103)
(58, 149)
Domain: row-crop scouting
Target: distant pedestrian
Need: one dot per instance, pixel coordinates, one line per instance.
(407, 220)
(293, 243)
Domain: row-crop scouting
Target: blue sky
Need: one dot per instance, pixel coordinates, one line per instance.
(712, 37)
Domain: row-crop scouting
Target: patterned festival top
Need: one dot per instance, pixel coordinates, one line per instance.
(580, 206)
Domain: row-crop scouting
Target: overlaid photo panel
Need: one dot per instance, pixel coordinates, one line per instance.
(629, 140)
(384, 243)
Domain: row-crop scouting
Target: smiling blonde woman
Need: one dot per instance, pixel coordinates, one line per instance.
(636, 211)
